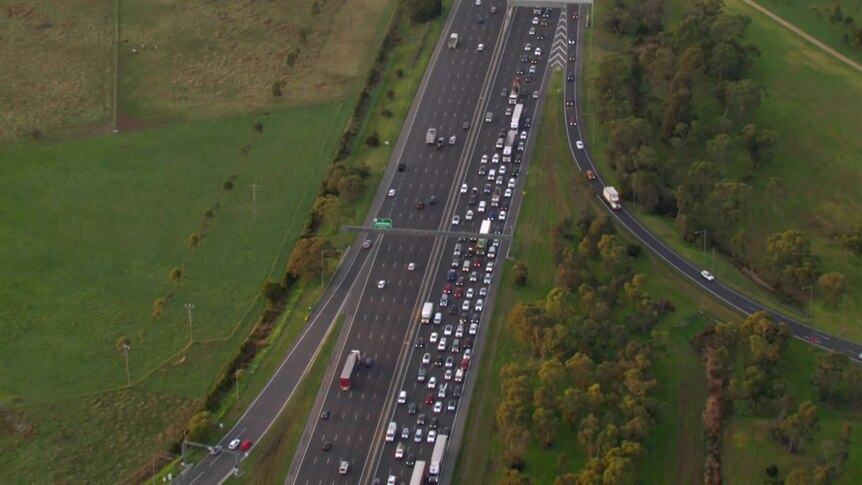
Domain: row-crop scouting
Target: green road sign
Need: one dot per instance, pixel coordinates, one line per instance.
(384, 224)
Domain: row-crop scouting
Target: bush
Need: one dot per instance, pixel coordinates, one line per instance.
(633, 250)
(194, 240)
(276, 89)
(258, 127)
(373, 140)
(385, 113)
(227, 185)
(390, 94)
(399, 73)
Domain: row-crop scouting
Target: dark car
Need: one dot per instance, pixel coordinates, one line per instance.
(446, 431)
(438, 362)
(434, 423)
(525, 59)
(466, 125)
(402, 167)
(420, 205)
(432, 200)
(420, 343)
(411, 460)
(571, 58)
(453, 310)
(572, 121)
(528, 122)
(411, 408)
(324, 415)
(570, 102)
(519, 72)
(327, 445)
(570, 78)
(368, 362)
(456, 392)
(451, 275)
(540, 37)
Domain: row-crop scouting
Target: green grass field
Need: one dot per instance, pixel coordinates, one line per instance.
(678, 434)
(814, 18)
(817, 170)
(94, 228)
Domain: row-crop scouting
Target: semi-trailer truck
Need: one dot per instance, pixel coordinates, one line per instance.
(612, 197)
(427, 311)
(348, 370)
(516, 116)
(510, 141)
(495, 197)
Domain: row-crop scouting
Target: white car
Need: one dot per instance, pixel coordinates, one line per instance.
(438, 407)
(507, 194)
(484, 158)
(478, 3)
(343, 467)
(480, 47)
(489, 267)
(469, 215)
(447, 330)
(495, 158)
(502, 170)
(233, 444)
(464, 188)
(441, 346)
(426, 359)
(411, 266)
(487, 279)
(453, 139)
(474, 329)
(417, 438)
(483, 291)
(501, 216)
(456, 220)
(511, 183)
(466, 305)
(448, 375)
(432, 383)
(391, 193)
(381, 284)
(433, 338)
(399, 451)
(480, 304)
(402, 397)
(391, 480)
(527, 47)
(469, 293)
(579, 144)
(707, 275)
(432, 436)
(482, 206)
(538, 51)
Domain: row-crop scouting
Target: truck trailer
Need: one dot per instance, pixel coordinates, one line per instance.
(510, 142)
(348, 370)
(516, 116)
(427, 311)
(612, 197)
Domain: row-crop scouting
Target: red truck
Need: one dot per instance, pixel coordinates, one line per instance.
(349, 368)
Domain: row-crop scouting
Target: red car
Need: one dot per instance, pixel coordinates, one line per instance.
(245, 446)
(459, 292)
(591, 175)
(429, 399)
(447, 289)
(574, 15)
(572, 121)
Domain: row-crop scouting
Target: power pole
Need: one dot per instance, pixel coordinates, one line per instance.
(126, 348)
(254, 201)
(189, 308)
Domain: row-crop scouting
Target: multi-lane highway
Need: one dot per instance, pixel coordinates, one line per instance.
(464, 84)
(726, 294)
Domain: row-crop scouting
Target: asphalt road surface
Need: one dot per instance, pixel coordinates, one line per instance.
(724, 293)
(464, 84)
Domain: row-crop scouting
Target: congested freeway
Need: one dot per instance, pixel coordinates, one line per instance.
(443, 182)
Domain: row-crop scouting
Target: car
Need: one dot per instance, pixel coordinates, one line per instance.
(477, 263)
(540, 37)
(411, 408)
(572, 121)
(591, 175)
(458, 293)
(482, 170)
(487, 189)
(327, 445)
(532, 31)
(523, 59)
(453, 310)
(465, 126)
(420, 206)
(457, 251)
(451, 406)
(465, 363)
(489, 268)
(536, 94)
(456, 220)
(538, 52)
(402, 167)
(438, 362)
(570, 102)
(487, 279)
(466, 305)
(381, 284)
(507, 193)
(503, 167)
(368, 362)
(504, 92)
(489, 116)
(527, 47)
(402, 397)
(511, 183)
(459, 331)
(422, 374)
(411, 460)
(438, 407)
(325, 415)
(508, 112)
(441, 142)
(234, 443)
(528, 79)
(245, 445)
(467, 355)
(391, 193)
(571, 58)
(473, 277)
(474, 329)
(460, 281)
(411, 266)
(456, 392)
(470, 293)
(366, 244)
(434, 338)
(707, 275)
(496, 158)
(405, 433)
(451, 275)
(391, 480)
(464, 188)
(483, 291)
(535, 20)
(420, 419)
(447, 376)
(503, 214)
(417, 437)
(480, 304)
(429, 398)
(432, 436)
(452, 139)
(343, 467)
(466, 266)
(574, 15)
(399, 451)
(527, 123)
(441, 345)
(570, 78)
(482, 205)
(480, 47)
(426, 359)
(478, 3)
(571, 40)
(432, 200)
(468, 216)
(447, 330)
(450, 361)
(534, 60)
(579, 145)
(432, 383)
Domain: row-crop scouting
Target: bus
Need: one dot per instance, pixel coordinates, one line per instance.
(418, 477)
(437, 458)
(516, 116)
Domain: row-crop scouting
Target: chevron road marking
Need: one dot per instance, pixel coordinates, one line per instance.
(558, 51)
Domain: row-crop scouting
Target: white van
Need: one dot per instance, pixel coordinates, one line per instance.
(438, 318)
(390, 433)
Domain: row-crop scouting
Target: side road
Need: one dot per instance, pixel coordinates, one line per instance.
(801, 33)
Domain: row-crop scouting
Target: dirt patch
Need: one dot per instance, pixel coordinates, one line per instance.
(126, 124)
(757, 279)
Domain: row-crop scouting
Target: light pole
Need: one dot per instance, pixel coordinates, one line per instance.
(810, 289)
(126, 348)
(189, 308)
(704, 243)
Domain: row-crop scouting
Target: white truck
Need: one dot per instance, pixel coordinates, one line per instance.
(612, 197)
(486, 227)
(516, 116)
(495, 198)
(453, 40)
(427, 311)
(510, 141)
(431, 136)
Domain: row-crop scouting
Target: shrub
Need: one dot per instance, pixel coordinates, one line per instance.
(373, 140)
(227, 185)
(258, 127)
(276, 89)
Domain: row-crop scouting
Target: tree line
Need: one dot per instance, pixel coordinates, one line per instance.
(587, 368)
(673, 161)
